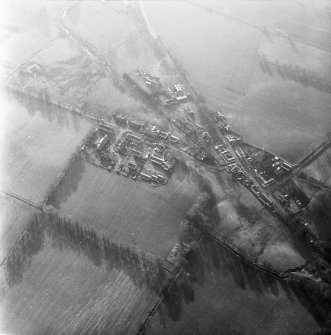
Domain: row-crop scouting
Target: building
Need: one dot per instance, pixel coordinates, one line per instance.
(157, 159)
(145, 176)
(134, 138)
(173, 139)
(136, 125)
(120, 118)
(105, 128)
(287, 167)
(132, 166)
(154, 178)
(163, 135)
(160, 178)
(266, 201)
(148, 87)
(102, 143)
(137, 153)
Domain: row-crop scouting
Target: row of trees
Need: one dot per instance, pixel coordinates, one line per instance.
(65, 235)
(296, 73)
(29, 244)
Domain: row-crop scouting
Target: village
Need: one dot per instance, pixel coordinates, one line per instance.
(145, 152)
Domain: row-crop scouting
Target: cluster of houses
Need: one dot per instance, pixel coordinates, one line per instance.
(245, 180)
(176, 94)
(149, 79)
(225, 154)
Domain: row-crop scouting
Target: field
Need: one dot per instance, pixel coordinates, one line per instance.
(277, 114)
(308, 26)
(251, 13)
(38, 141)
(86, 18)
(64, 292)
(14, 216)
(221, 295)
(320, 169)
(217, 57)
(26, 30)
(221, 62)
(242, 220)
(132, 213)
(280, 49)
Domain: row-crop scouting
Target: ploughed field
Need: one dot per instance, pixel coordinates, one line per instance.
(218, 294)
(65, 286)
(38, 141)
(285, 116)
(127, 211)
(14, 216)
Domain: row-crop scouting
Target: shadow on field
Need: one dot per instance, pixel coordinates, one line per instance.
(67, 235)
(68, 184)
(35, 101)
(210, 257)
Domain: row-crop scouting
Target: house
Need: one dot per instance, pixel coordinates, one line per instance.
(145, 176)
(103, 142)
(120, 118)
(136, 125)
(134, 138)
(163, 135)
(105, 128)
(154, 178)
(132, 166)
(160, 178)
(287, 167)
(157, 158)
(137, 153)
(173, 139)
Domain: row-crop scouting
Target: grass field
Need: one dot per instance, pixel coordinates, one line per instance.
(26, 29)
(242, 220)
(86, 18)
(221, 295)
(14, 216)
(280, 49)
(64, 292)
(308, 26)
(64, 70)
(218, 56)
(320, 169)
(277, 114)
(255, 13)
(133, 213)
(285, 117)
(37, 142)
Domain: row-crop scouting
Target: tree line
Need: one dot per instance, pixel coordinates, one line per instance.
(68, 235)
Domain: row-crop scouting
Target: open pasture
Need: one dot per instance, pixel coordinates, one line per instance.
(26, 29)
(62, 68)
(218, 56)
(219, 294)
(86, 18)
(308, 26)
(255, 13)
(37, 140)
(283, 116)
(127, 211)
(279, 49)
